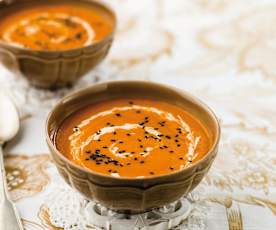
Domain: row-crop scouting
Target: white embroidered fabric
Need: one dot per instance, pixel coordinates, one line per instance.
(67, 209)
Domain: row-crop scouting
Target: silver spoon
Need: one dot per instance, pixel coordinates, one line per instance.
(9, 126)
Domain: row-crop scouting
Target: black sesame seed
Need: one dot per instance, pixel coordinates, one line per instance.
(151, 173)
(135, 158)
(108, 123)
(171, 151)
(121, 142)
(76, 129)
(130, 102)
(178, 145)
(141, 146)
(87, 159)
(113, 140)
(128, 134)
(98, 132)
(138, 111)
(98, 163)
(162, 123)
(142, 123)
(99, 140)
(128, 163)
(168, 137)
(88, 151)
(171, 168)
(142, 162)
(118, 114)
(146, 118)
(176, 140)
(177, 135)
(180, 158)
(110, 170)
(105, 147)
(114, 133)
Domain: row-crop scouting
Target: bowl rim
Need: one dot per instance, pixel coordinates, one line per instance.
(103, 4)
(181, 92)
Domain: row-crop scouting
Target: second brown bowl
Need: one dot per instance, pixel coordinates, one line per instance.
(135, 194)
(54, 69)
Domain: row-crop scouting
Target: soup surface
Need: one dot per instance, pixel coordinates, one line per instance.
(55, 26)
(132, 138)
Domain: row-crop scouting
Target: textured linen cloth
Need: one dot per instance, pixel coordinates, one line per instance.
(222, 51)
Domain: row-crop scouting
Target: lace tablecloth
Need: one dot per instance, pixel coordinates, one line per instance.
(222, 51)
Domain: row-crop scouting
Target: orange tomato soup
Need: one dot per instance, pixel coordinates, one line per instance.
(55, 26)
(132, 138)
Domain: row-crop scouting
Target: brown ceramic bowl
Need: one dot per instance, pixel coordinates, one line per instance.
(54, 69)
(135, 194)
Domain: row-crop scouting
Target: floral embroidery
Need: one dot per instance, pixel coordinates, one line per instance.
(26, 175)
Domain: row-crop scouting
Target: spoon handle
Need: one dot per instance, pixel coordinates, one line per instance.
(3, 183)
(9, 217)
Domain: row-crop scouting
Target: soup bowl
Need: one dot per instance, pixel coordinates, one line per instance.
(125, 193)
(59, 68)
